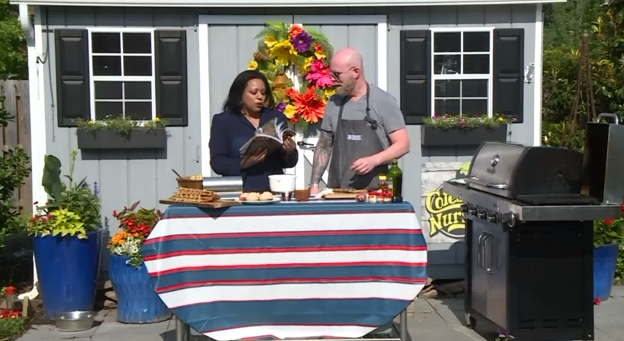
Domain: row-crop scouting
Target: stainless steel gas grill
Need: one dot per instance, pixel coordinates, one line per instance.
(529, 241)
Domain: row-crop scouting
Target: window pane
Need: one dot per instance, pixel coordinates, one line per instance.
(105, 43)
(446, 106)
(447, 42)
(477, 42)
(447, 88)
(138, 90)
(471, 107)
(476, 64)
(139, 110)
(449, 64)
(106, 66)
(108, 90)
(137, 43)
(475, 88)
(137, 66)
(103, 109)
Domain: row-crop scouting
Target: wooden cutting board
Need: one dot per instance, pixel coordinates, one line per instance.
(213, 205)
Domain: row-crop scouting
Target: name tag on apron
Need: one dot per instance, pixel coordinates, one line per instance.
(354, 137)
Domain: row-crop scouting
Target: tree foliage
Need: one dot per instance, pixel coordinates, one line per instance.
(13, 59)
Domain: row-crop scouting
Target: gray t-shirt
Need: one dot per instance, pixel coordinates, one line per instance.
(383, 108)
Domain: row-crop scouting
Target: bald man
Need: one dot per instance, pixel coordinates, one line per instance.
(362, 131)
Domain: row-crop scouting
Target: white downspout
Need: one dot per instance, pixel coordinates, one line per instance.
(33, 90)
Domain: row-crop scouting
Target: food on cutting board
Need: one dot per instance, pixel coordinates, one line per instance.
(347, 190)
(256, 196)
(192, 195)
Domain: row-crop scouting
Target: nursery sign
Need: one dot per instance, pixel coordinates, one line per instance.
(445, 215)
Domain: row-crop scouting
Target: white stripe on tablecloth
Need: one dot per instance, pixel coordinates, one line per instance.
(284, 332)
(323, 222)
(293, 291)
(243, 259)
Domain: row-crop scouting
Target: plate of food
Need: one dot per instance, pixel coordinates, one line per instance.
(257, 198)
(199, 198)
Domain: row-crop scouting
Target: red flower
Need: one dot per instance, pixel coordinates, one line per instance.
(597, 301)
(115, 213)
(608, 221)
(10, 290)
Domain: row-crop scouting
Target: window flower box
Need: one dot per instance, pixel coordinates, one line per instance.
(136, 138)
(432, 136)
(120, 133)
(450, 131)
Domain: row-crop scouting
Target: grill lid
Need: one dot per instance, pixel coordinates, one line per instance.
(515, 171)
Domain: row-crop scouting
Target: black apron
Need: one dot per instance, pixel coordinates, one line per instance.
(354, 139)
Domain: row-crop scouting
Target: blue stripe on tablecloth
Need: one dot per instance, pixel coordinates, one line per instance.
(202, 318)
(193, 243)
(181, 211)
(314, 273)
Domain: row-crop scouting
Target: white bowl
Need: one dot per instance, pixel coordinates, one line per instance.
(282, 183)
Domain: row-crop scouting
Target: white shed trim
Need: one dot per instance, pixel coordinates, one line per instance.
(537, 76)
(38, 117)
(274, 3)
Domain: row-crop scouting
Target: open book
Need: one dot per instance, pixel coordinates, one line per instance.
(270, 136)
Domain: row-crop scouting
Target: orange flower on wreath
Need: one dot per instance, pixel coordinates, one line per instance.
(309, 106)
(294, 30)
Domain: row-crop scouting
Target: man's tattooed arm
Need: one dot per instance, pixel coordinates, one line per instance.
(322, 154)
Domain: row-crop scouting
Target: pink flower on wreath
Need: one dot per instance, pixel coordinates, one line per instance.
(319, 74)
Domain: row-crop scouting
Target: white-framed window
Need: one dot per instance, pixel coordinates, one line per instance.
(121, 67)
(462, 66)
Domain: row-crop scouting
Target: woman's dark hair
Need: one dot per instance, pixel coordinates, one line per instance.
(234, 99)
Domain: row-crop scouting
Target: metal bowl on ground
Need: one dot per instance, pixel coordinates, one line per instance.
(75, 321)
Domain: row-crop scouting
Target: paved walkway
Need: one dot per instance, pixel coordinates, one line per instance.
(433, 320)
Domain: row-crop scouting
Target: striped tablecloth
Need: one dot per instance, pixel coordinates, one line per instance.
(287, 270)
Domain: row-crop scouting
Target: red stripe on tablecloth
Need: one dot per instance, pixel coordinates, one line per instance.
(165, 255)
(289, 280)
(278, 234)
(281, 265)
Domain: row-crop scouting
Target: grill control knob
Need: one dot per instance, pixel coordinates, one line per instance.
(464, 208)
(492, 217)
(472, 210)
(481, 214)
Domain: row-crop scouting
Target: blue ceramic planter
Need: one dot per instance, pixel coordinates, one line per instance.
(605, 259)
(137, 301)
(67, 270)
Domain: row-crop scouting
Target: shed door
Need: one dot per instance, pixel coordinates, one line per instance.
(362, 37)
(231, 47)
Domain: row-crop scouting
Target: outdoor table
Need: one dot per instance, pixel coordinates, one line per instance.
(288, 270)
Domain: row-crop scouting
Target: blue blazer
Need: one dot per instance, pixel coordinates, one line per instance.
(228, 132)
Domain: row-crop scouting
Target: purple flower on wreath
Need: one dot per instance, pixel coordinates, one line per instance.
(301, 41)
(281, 107)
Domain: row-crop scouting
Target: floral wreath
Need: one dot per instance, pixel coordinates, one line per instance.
(303, 53)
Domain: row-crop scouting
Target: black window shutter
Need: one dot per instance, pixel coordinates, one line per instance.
(171, 77)
(509, 73)
(416, 75)
(72, 76)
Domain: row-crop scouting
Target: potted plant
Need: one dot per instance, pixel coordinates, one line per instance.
(446, 130)
(9, 296)
(114, 132)
(66, 234)
(608, 236)
(12, 324)
(137, 302)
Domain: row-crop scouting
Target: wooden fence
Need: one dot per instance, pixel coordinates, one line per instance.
(17, 132)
